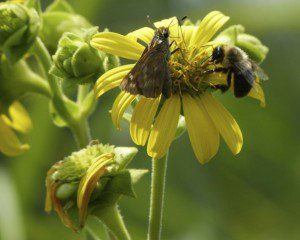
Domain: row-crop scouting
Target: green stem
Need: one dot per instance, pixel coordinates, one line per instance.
(44, 58)
(81, 132)
(159, 168)
(79, 126)
(82, 93)
(112, 218)
(37, 84)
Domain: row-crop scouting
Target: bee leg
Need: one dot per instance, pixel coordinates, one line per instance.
(225, 88)
(217, 69)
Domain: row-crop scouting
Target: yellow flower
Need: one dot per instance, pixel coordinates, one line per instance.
(206, 118)
(18, 120)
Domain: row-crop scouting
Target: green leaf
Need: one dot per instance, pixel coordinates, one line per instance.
(121, 183)
(124, 155)
(137, 174)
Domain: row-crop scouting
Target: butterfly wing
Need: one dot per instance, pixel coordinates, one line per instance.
(150, 76)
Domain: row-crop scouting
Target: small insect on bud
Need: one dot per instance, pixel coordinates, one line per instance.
(19, 27)
(88, 178)
(75, 60)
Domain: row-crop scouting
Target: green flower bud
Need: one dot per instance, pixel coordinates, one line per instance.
(76, 60)
(19, 27)
(253, 47)
(92, 176)
(110, 62)
(59, 18)
(235, 35)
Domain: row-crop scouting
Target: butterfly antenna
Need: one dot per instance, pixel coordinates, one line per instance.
(179, 25)
(150, 22)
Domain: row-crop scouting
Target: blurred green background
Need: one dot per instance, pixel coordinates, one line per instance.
(254, 195)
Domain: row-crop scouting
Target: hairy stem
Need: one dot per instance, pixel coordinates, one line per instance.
(159, 167)
(113, 220)
(81, 132)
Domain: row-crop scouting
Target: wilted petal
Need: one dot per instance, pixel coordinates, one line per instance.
(203, 134)
(164, 128)
(88, 183)
(121, 103)
(142, 118)
(224, 122)
(118, 45)
(111, 79)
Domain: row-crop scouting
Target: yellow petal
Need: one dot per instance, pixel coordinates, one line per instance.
(121, 103)
(208, 28)
(9, 143)
(202, 132)
(187, 33)
(145, 34)
(111, 79)
(88, 183)
(164, 128)
(142, 118)
(19, 118)
(224, 122)
(117, 44)
(258, 93)
(216, 79)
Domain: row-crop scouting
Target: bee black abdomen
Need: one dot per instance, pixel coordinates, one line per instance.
(241, 86)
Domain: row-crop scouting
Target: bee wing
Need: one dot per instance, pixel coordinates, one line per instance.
(259, 72)
(150, 76)
(245, 69)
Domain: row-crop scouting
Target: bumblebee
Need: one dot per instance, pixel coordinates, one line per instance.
(238, 67)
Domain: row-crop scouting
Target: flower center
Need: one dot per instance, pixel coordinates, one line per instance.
(188, 76)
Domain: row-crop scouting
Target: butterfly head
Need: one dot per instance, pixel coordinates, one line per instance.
(162, 32)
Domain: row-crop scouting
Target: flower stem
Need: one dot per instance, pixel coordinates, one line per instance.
(79, 126)
(38, 85)
(81, 132)
(44, 58)
(159, 168)
(112, 218)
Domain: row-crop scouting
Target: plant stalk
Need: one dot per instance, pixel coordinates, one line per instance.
(159, 168)
(113, 220)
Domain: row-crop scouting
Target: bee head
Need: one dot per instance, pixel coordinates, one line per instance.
(218, 54)
(163, 32)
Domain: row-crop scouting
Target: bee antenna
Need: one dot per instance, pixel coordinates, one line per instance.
(150, 22)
